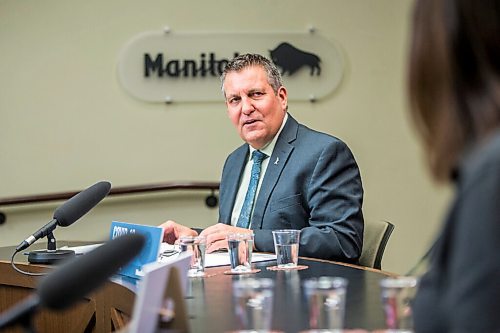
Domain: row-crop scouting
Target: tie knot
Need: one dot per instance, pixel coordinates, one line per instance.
(258, 156)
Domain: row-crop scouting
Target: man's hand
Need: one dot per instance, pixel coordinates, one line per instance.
(216, 235)
(172, 231)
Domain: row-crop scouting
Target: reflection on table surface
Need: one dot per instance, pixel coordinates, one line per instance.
(210, 302)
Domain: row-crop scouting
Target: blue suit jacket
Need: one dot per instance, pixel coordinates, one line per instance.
(315, 187)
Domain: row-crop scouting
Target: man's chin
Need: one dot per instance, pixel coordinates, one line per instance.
(255, 143)
(255, 138)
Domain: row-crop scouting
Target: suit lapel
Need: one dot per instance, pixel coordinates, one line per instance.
(234, 172)
(281, 153)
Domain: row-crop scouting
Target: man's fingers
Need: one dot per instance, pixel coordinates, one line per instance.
(217, 245)
(216, 235)
(212, 229)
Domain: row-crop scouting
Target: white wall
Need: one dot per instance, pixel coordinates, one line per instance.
(66, 123)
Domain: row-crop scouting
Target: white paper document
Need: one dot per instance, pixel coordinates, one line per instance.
(82, 249)
(212, 259)
(168, 250)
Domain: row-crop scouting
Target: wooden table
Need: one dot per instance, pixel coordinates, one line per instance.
(209, 300)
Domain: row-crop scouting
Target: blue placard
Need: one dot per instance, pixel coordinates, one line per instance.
(150, 252)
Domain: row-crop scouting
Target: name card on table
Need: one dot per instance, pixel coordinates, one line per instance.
(159, 304)
(150, 252)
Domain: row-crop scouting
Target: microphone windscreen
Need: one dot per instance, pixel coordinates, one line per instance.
(77, 278)
(81, 203)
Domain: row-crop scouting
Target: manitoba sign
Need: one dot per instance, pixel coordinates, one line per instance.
(180, 67)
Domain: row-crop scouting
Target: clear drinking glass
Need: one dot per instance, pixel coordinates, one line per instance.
(397, 298)
(240, 247)
(326, 298)
(254, 304)
(286, 245)
(195, 245)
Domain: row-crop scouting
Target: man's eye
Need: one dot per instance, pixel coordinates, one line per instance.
(233, 100)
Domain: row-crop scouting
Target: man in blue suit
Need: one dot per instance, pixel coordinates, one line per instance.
(303, 180)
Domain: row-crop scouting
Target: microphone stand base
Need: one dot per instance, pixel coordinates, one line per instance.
(49, 257)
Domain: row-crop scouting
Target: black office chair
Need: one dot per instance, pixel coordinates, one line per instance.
(376, 236)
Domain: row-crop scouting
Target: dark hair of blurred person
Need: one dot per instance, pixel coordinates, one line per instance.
(454, 81)
(454, 94)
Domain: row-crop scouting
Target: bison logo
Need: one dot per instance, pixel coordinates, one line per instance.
(290, 59)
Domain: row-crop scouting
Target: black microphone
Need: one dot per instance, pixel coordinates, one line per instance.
(70, 211)
(77, 278)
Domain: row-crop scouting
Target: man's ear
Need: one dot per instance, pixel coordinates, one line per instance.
(283, 96)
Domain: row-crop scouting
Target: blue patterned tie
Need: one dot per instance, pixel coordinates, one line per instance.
(246, 209)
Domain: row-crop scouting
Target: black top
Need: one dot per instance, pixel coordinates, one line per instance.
(461, 291)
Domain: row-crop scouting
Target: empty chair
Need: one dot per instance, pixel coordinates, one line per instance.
(376, 235)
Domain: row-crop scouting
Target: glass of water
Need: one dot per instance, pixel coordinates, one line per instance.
(196, 245)
(326, 297)
(254, 304)
(286, 245)
(240, 252)
(397, 297)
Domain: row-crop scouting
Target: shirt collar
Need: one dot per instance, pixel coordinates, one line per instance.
(268, 148)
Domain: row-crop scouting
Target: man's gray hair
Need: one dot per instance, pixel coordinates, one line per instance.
(249, 60)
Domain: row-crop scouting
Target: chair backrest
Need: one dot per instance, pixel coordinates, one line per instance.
(375, 239)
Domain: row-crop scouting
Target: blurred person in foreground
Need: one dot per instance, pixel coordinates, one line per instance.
(454, 94)
(308, 180)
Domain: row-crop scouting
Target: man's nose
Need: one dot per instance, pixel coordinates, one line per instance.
(247, 106)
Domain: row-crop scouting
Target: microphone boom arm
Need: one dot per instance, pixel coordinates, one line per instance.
(42, 232)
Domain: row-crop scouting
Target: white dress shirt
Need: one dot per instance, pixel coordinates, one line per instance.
(245, 180)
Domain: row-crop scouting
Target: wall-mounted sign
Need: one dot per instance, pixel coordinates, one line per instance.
(175, 67)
